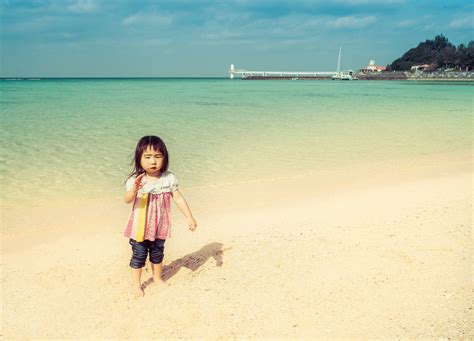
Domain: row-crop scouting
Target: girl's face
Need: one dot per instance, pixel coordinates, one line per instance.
(152, 161)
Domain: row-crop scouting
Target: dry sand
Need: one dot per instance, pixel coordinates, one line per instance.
(379, 251)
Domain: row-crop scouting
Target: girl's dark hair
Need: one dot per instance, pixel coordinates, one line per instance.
(149, 141)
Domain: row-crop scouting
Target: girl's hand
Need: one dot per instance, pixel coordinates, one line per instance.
(192, 224)
(138, 182)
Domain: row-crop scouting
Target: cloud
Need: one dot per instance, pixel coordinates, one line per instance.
(463, 22)
(370, 2)
(34, 25)
(407, 23)
(351, 22)
(292, 27)
(148, 19)
(83, 6)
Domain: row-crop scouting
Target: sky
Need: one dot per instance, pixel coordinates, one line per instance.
(201, 38)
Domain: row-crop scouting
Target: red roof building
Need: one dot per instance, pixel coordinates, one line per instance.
(372, 67)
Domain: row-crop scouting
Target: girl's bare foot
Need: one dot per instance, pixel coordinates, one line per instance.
(138, 292)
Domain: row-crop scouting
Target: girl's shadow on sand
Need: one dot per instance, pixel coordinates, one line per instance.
(193, 261)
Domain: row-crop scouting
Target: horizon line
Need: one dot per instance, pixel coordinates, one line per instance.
(106, 77)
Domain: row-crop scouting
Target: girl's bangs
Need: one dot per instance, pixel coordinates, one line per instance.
(152, 145)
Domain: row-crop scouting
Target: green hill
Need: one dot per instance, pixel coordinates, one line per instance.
(438, 53)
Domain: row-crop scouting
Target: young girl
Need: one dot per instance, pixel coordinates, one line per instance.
(149, 187)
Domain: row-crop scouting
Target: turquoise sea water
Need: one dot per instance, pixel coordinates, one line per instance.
(74, 138)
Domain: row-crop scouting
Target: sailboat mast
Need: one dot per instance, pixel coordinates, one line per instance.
(339, 61)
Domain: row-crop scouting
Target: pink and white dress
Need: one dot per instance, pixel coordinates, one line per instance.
(150, 216)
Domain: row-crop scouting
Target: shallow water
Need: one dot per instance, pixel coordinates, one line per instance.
(74, 138)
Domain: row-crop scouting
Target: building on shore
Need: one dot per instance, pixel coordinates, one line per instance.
(422, 67)
(372, 67)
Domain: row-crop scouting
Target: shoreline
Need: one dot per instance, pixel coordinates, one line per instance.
(441, 79)
(435, 163)
(378, 251)
(361, 78)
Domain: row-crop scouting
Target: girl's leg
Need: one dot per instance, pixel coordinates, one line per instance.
(156, 258)
(137, 282)
(137, 262)
(157, 269)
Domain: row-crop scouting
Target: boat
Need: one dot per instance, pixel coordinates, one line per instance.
(342, 75)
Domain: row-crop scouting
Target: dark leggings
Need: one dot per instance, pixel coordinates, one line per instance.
(142, 249)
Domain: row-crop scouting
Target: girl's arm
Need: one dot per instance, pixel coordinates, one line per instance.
(183, 206)
(130, 195)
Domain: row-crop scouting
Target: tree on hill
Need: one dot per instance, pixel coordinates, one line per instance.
(438, 53)
(465, 56)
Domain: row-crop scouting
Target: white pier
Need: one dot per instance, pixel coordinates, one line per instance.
(336, 75)
(279, 74)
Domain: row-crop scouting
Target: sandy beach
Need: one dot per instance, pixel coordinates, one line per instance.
(382, 250)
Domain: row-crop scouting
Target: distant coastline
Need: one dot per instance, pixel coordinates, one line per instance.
(453, 76)
(434, 76)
